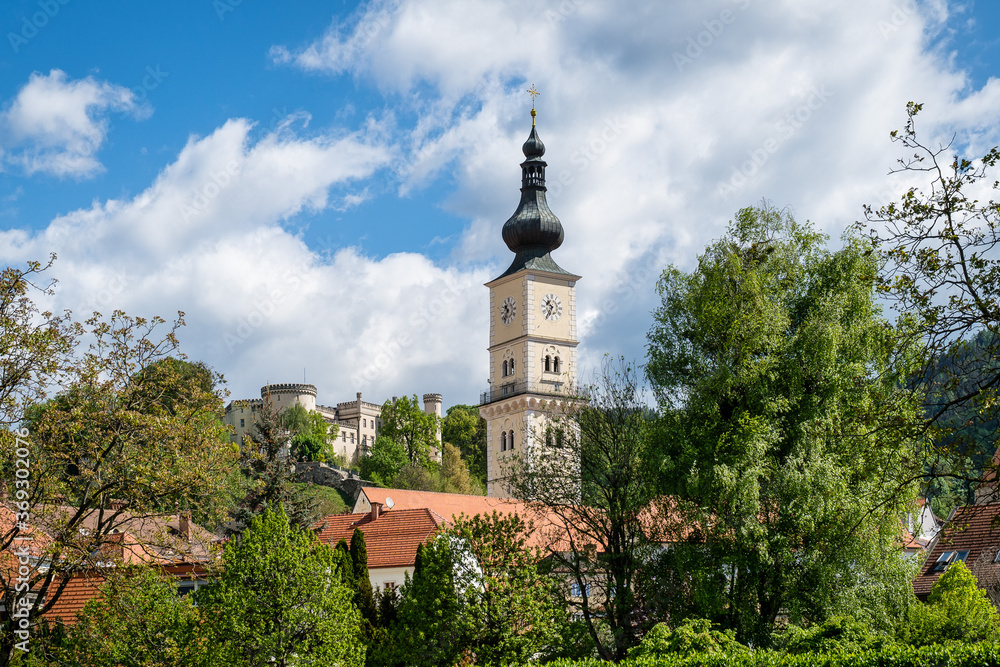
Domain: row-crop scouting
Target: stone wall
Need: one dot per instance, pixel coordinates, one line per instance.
(333, 476)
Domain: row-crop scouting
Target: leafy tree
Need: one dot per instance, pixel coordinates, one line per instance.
(455, 477)
(364, 598)
(788, 443)
(693, 636)
(384, 461)
(428, 628)
(509, 599)
(279, 600)
(841, 634)
(589, 475)
(311, 434)
(956, 609)
(463, 427)
(936, 247)
(418, 477)
(36, 348)
(128, 437)
(405, 422)
(269, 476)
(137, 621)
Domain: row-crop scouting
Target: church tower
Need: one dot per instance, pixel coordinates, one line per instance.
(532, 328)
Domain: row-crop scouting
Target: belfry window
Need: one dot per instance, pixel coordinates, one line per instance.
(510, 440)
(503, 441)
(504, 368)
(548, 363)
(555, 365)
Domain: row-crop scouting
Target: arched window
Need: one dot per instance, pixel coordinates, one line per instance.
(555, 365)
(503, 441)
(505, 368)
(548, 363)
(511, 441)
(511, 366)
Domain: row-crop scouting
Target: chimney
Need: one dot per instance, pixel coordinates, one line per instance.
(184, 524)
(376, 511)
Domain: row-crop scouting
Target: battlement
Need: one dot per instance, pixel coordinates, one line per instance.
(288, 388)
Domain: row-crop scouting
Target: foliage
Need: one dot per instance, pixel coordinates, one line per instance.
(956, 609)
(509, 600)
(269, 475)
(405, 422)
(428, 629)
(364, 598)
(463, 427)
(952, 655)
(939, 266)
(327, 499)
(138, 621)
(311, 434)
(839, 634)
(692, 636)
(35, 347)
(787, 443)
(278, 600)
(132, 434)
(418, 477)
(599, 519)
(455, 477)
(384, 461)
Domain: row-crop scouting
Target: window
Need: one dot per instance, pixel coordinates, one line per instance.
(504, 374)
(555, 365)
(364, 441)
(503, 441)
(510, 440)
(511, 366)
(390, 585)
(577, 592)
(243, 423)
(364, 422)
(548, 363)
(949, 557)
(343, 436)
(996, 559)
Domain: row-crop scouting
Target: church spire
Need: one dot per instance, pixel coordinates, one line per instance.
(533, 231)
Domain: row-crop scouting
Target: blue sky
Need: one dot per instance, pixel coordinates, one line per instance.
(321, 186)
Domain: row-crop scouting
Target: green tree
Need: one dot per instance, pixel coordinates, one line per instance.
(455, 477)
(364, 598)
(692, 636)
(279, 600)
(936, 249)
(132, 434)
(137, 621)
(269, 478)
(788, 442)
(590, 477)
(311, 434)
(405, 422)
(384, 461)
(510, 600)
(463, 427)
(428, 629)
(956, 609)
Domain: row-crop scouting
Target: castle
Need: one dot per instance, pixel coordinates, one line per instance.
(358, 421)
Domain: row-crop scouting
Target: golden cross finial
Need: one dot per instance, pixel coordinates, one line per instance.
(534, 93)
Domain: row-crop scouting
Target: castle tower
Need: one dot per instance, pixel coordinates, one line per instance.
(532, 328)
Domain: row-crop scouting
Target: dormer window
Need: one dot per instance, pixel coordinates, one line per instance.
(947, 558)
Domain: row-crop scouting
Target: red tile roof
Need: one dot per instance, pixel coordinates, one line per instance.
(391, 539)
(973, 528)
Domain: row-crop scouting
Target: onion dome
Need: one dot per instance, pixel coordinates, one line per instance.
(533, 231)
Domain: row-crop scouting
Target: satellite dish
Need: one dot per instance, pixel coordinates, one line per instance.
(388, 502)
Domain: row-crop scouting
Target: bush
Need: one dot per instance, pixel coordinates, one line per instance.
(837, 635)
(693, 636)
(956, 609)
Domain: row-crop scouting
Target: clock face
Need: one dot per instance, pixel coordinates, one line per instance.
(551, 307)
(507, 310)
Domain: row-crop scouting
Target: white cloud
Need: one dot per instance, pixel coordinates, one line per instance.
(56, 126)
(660, 121)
